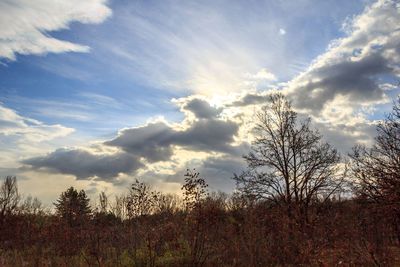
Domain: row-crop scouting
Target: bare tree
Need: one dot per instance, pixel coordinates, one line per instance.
(103, 202)
(167, 203)
(9, 197)
(119, 207)
(289, 163)
(194, 189)
(377, 169)
(32, 205)
(140, 200)
(194, 196)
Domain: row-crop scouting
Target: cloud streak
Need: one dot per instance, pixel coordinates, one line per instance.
(25, 25)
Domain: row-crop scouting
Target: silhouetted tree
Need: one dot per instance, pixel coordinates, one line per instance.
(32, 205)
(73, 206)
(289, 162)
(167, 203)
(194, 197)
(140, 200)
(9, 197)
(377, 169)
(194, 189)
(103, 201)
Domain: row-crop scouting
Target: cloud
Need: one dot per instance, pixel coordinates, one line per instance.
(201, 108)
(344, 136)
(22, 136)
(216, 170)
(348, 77)
(352, 66)
(250, 98)
(262, 74)
(25, 25)
(208, 135)
(154, 141)
(28, 130)
(84, 164)
(207, 54)
(151, 143)
(260, 80)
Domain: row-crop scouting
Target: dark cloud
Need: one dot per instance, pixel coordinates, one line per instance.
(354, 66)
(151, 141)
(202, 109)
(344, 137)
(208, 135)
(84, 164)
(251, 99)
(355, 79)
(154, 141)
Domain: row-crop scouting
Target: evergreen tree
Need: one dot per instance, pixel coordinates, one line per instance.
(73, 206)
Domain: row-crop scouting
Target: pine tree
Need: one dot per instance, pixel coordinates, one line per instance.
(73, 206)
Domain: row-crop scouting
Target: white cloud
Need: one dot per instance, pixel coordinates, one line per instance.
(263, 74)
(260, 80)
(30, 130)
(282, 31)
(346, 75)
(21, 136)
(25, 25)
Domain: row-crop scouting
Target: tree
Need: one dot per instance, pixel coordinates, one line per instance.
(103, 199)
(119, 207)
(194, 189)
(32, 205)
(194, 197)
(289, 163)
(140, 200)
(167, 203)
(73, 206)
(377, 169)
(9, 197)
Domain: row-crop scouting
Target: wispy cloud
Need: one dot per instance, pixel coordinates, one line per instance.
(25, 25)
(21, 136)
(101, 100)
(13, 124)
(213, 51)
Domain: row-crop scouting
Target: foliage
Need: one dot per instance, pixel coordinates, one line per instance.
(73, 206)
(140, 200)
(194, 189)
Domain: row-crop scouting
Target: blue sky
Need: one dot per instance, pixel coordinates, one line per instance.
(96, 79)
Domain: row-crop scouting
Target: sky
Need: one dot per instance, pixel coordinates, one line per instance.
(95, 94)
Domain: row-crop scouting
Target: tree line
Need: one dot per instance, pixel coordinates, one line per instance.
(298, 203)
